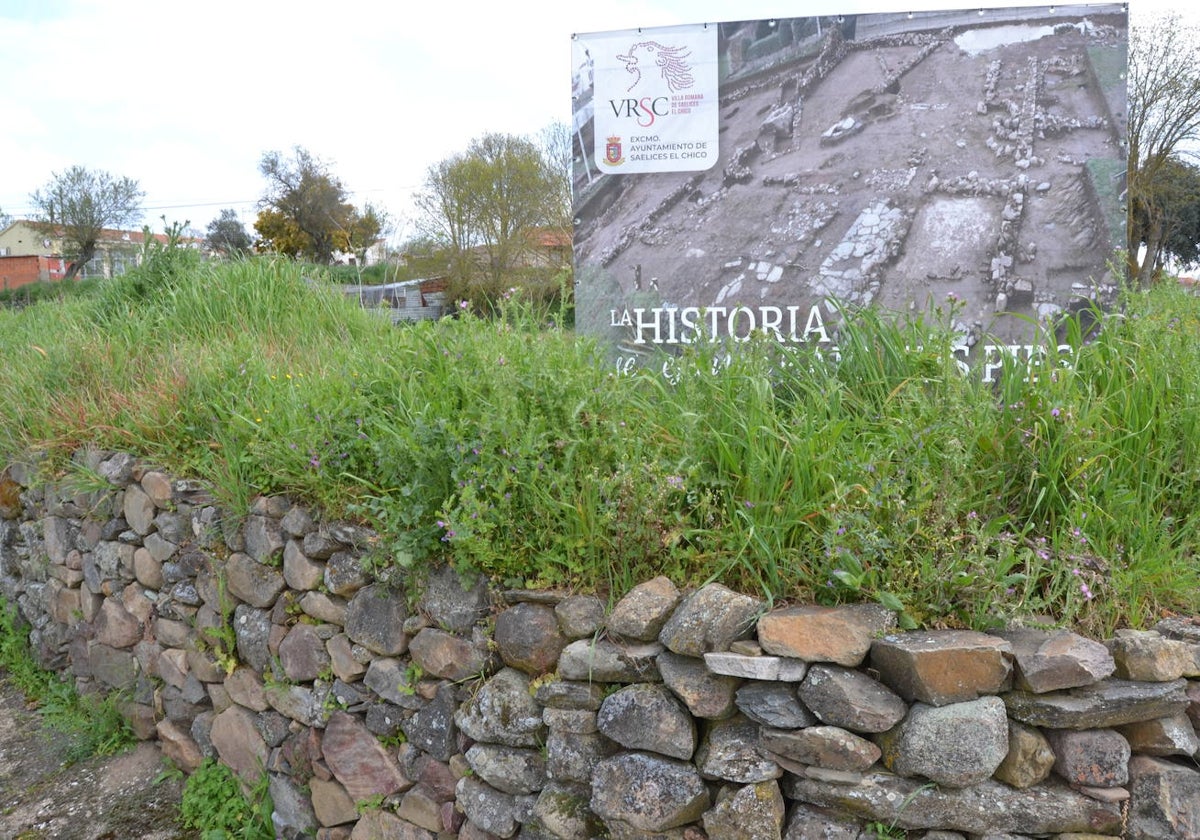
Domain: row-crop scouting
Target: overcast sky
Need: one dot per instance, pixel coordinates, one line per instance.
(185, 98)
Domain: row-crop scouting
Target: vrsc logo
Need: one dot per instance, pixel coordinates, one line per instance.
(644, 110)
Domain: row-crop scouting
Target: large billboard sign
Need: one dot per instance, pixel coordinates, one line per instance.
(765, 176)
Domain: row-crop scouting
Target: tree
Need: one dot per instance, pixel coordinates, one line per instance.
(79, 204)
(1164, 117)
(305, 211)
(486, 206)
(1180, 206)
(227, 235)
(5, 219)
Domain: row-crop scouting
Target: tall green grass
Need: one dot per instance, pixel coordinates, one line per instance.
(1064, 492)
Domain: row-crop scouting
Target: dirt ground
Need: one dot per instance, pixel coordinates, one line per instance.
(44, 798)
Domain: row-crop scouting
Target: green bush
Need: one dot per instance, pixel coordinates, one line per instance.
(217, 804)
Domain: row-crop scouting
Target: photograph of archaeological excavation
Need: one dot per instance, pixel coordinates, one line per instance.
(973, 157)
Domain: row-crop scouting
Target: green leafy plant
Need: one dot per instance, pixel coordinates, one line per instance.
(92, 723)
(217, 804)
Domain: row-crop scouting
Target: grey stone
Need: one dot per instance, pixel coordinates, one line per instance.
(808, 822)
(508, 769)
(756, 667)
(574, 757)
(454, 602)
(375, 619)
(375, 824)
(114, 668)
(706, 695)
(641, 614)
(841, 635)
(297, 522)
(115, 627)
(358, 761)
(850, 699)
(344, 574)
(391, 679)
(420, 808)
(503, 712)
(1056, 660)
(575, 721)
(384, 720)
(1163, 797)
(580, 616)
(648, 792)
(569, 694)
(447, 656)
(648, 716)
(299, 572)
(138, 509)
(302, 654)
(160, 549)
(432, 728)
(173, 527)
(237, 742)
(563, 808)
(301, 704)
(824, 746)
(603, 660)
(252, 628)
(319, 545)
(940, 667)
(1148, 656)
(264, 538)
(328, 608)
(1090, 757)
(956, 745)
(753, 812)
(251, 581)
(528, 638)
(773, 704)
(331, 804)
(293, 815)
(1029, 760)
(990, 806)
(495, 812)
(729, 752)
(710, 619)
(1172, 735)
(1109, 703)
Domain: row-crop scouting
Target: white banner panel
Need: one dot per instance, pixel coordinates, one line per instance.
(655, 98)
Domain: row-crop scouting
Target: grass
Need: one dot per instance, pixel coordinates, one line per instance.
(504, 445)
(92, 724)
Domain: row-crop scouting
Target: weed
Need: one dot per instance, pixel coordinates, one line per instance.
(219, 805)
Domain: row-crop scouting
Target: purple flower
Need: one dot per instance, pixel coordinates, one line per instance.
(675, 481)
(1054, 412)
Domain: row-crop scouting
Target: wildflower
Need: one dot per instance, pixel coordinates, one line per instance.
(462, 304)
(675, 481)
(841, 531)
(749, 504)
(972, 515)
(1087, 593)
(1054, 412)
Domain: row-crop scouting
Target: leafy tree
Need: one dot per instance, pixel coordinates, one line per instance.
(1164, 117)
(484, 205)
(227, 235)
(5, 219)
(305, 211)
(1179, 203)
(80, 203)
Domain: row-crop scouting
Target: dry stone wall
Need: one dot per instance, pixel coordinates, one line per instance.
(449, 709)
